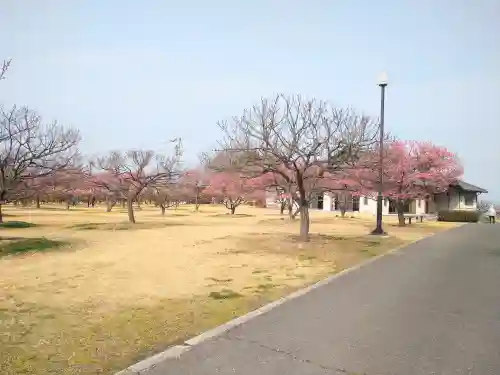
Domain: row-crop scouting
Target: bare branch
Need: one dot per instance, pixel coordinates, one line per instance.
(298, 141)
(3, 68)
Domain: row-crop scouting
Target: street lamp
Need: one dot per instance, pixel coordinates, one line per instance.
(382, 82)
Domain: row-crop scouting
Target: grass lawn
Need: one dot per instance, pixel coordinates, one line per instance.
(104, 294)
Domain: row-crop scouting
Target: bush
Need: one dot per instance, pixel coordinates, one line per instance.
(16, 224)
(28, 245)
(459, 216)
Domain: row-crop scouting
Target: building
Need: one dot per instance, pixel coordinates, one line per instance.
(459, 196)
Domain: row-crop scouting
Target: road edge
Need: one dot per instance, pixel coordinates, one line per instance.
(176, 351)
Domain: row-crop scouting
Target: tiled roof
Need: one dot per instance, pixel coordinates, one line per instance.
(469, 187)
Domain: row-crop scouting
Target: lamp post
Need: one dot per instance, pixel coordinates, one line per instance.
(382, 82)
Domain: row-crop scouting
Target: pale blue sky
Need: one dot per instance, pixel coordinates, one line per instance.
(134, 74)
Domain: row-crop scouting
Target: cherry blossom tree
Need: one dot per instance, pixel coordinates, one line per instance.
(412, 170)
(233, 188)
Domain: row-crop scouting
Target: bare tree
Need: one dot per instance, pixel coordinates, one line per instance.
(142, 169)
(300, 140)
(30, 150)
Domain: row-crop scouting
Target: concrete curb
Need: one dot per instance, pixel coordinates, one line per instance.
(175, 352)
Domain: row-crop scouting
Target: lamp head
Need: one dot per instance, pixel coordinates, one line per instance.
(382, 79)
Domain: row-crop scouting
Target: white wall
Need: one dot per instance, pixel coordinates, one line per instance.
(462, 204)
(328, 202)
(368, 205)
(271, 197)
(418, 206)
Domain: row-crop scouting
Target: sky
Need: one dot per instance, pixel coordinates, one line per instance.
(136, 74)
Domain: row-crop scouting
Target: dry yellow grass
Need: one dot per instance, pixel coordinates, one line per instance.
(121, 292)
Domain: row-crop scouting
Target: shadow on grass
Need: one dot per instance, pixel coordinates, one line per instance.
(17, 224)
(227, 214)
(121, 226)
(16, 245)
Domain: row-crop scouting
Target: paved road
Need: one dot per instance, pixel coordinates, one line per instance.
(432, 309)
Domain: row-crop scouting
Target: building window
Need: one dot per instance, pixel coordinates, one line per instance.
(365, 201)
(419, 203)
(469, 199)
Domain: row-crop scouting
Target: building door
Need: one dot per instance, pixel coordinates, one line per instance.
(320, 202)
(355, 204)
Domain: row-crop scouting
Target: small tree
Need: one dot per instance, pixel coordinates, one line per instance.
(232, 188)
(165, 196)
(194, 181)
(113, 187)
(142, 169)
(412, 170)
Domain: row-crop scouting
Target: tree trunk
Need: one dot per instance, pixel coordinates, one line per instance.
(110, 204)
(124, 203)
(1, 214)
(342, 211)
(68, 203)
(401, 214)
(162, 206)
(37, 201)
(196, 202)
(304, 220)
(282, 207)
(233, 209)
(130, 209)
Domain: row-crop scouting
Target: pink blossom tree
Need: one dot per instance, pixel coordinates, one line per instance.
(412, 170)
(194, 182)
(233, 188)
(112, 187)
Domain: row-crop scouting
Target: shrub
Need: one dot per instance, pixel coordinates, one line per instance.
(459, 216)
(28, 245)
(16, 224)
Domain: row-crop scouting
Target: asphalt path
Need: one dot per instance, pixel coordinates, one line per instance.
(432, 308)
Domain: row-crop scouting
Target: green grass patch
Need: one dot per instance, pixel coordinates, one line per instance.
(13, 247)
(17, 224)
(87, 226)
(225, 294)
